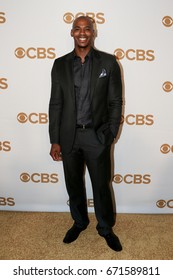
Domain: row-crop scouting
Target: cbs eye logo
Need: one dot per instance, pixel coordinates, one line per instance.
(97, 17)
(137, 55)
(167, 21)
(132, 179)
(165, 149)
(35, 53)
(39, 178)
(167, 86)
(162, 203)
(2, 18)
(138, 119)
(34, 118)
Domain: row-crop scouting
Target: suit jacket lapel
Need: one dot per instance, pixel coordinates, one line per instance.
(70, 74)
(96, 66)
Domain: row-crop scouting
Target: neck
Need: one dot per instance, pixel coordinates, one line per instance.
(82, 52)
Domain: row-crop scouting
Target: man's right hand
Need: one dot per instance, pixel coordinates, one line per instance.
(55, 152)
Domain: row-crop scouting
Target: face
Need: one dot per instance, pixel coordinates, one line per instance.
(82, 32)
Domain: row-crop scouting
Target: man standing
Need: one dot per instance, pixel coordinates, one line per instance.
(84, 118)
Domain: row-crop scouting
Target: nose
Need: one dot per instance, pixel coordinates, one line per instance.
(82, 31)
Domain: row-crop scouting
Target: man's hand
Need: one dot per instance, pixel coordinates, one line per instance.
(55, 152)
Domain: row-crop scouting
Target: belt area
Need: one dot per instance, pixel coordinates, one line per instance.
(84, 126)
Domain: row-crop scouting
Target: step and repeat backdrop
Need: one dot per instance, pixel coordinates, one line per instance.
(140, 34)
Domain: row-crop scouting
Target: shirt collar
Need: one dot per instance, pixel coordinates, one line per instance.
(89, 55)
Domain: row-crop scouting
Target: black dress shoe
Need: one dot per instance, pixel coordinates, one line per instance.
(72, 234)
(113, 241)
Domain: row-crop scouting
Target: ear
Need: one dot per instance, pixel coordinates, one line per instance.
(71, 33)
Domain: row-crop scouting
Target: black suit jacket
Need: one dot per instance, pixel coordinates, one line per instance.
(106, 96)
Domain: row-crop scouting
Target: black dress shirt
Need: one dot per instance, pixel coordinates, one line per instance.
(82, 78)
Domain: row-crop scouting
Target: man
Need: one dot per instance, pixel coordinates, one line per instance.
(84, 118)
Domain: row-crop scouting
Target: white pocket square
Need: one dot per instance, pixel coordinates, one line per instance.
(103, 73)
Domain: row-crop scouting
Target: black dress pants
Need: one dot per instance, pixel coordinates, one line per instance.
(88, 150)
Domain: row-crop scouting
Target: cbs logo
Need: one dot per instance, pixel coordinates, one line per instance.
(2, 18)
(131, 54)
(167, 21)
(137, 119)
(167, 86)
(90, 202)
(34, 118)
(39, 178)
(98, 17)
(3, 83)
(9, 201)
(38, 53)
(132, 179)
(5, 146)
(165, 149)
(162, 203)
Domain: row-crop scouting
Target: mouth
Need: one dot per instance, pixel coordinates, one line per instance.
(82, 40)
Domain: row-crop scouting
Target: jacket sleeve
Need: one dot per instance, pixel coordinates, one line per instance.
(115, 98)
(55, 105)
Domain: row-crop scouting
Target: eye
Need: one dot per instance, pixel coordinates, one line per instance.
(22, 117)
(161, 203)
(24, 177)
(165, 148)
(167, 86)
(68, 17)
(119, 53)
(118, 178)
(76, 29)
(20, 52)
(167, 21)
